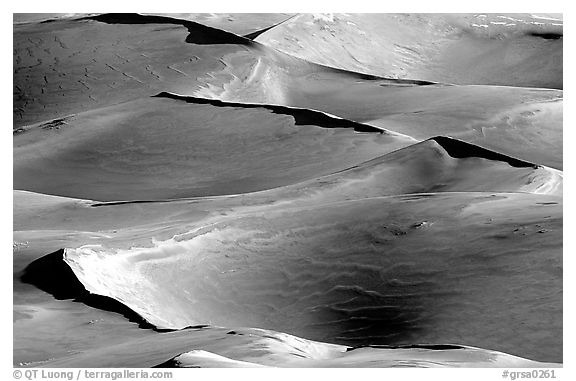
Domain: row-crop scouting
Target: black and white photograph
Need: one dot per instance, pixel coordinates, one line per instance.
(287, 190)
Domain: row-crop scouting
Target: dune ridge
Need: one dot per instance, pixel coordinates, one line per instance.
(302, 116)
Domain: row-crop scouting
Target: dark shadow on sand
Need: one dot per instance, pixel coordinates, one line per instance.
(199, 34)
(52, 275)
(547, 36)
(461, 150)
(301, 116)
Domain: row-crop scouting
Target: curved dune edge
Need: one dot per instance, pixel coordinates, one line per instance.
(275, 349)
(319, 118)
(256, 33)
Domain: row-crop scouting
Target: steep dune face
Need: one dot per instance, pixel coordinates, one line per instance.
(238, 23)
(298, 270)
(511, 50)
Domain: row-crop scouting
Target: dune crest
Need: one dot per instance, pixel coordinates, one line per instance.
(281, 350)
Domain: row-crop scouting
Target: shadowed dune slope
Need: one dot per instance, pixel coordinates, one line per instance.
(488, 49)
(298, 270)
(158, 148)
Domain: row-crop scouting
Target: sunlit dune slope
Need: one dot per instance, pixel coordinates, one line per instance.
(487, 49)
(382, 270)
(242, 347)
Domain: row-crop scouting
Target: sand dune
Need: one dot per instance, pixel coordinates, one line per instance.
(132, 146)
(116, 228)
(432, 356)
(239, 190)
(436, 165)
(519, 122)
(199, 149)
(489, 49)
(76, 64)
(241, 347)
(407, 278)
(237, 23)
(72, 65)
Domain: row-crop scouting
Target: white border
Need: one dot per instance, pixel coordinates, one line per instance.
(350, 6)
